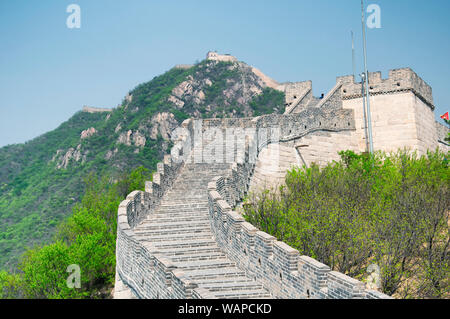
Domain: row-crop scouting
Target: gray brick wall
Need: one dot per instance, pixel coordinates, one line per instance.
(275, 264)
(278, 267)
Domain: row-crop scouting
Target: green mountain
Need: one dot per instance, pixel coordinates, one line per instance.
(41, 180)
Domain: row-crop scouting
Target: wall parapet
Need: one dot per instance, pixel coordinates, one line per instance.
(91, 109)
(138, 265)
(291, 126)
(274, 264)
(297, 94)
(442, 133)
(279, 267)
(398, 81)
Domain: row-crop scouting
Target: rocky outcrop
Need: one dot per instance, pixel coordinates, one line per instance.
(130, 138)
(187, 90)
(72, 154)
(125, 138)
(111, 153)
(163, 124)
(129, 98)
(178, 103)
(220, 89)
(139, 139)
(88, 133)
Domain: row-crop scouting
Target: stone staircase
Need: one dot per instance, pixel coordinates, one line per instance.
(179, 230)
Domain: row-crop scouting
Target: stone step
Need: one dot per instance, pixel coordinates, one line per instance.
(195, 180)
(181, 231)
(202, 166)
(242, 294)
(194, 192)
(192, 189)
(171, 237)
(180, 217)
(198, 183)
(201, 173)
(180, 211)
(198, 176)
(183, 251)
(233, 286)
(218, 279)
(195, 204)
(183, 202)
(200, 265)
(223, 273)
(178, 198)
(217, 257)
(183, 207)
(197, 243)
(174, 225)
(187, 182)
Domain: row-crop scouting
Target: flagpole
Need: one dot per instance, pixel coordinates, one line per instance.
(363, 79)
(353, 57)
(369, 119)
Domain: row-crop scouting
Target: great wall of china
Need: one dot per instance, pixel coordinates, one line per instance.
(183, 237)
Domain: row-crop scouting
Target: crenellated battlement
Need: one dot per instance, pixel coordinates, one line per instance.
(399, 80)
(297, 94)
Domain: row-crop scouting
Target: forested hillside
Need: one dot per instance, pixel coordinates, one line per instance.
(41, 180)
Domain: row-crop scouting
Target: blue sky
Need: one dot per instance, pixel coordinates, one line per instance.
(48, 72)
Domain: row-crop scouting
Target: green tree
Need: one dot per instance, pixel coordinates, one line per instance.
(86, 239)
(11, 286)
(386, 209)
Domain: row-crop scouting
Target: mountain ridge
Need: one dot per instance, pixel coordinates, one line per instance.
(42, 179)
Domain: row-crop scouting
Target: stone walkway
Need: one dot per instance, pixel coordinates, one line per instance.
(180, 231)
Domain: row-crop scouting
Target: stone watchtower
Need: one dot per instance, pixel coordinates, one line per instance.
(402, 110)
(214, 56)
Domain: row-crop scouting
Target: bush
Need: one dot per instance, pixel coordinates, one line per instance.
(269, 101)
(86, 239)
(391, 210)
(10, 286)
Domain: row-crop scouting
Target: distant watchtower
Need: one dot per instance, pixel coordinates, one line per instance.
(214, 56)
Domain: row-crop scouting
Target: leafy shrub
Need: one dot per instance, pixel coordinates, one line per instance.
(269, 101)
(391, 210)
(10, 286)
(87, 239)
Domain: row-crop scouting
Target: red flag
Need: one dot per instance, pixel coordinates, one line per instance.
(445, 117)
